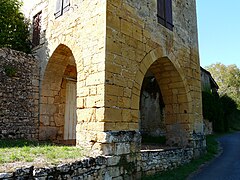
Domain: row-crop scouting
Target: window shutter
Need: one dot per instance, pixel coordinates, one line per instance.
(169, 23)
(36, 29)
(161, 11)
(66, 5)
(59, 5)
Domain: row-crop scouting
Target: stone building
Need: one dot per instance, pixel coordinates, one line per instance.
(208, 84)
(100, 59)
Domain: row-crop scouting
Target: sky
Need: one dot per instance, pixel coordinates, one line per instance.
(219, 31)
(27, 5)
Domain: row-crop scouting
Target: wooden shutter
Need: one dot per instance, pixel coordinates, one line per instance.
(66, 5)
(59, 7)
(36, 29)
(168, 15)
(161, 11)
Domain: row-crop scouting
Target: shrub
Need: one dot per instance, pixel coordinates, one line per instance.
(221, 111)
(229, 106)
(13, 27)
(213, 111)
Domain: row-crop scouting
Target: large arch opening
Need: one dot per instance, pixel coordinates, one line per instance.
(164, 104)
(58, 98)
(152, 117)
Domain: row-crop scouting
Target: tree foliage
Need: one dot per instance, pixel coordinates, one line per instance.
(221, 111)
(213, 110)
(228, 80)
(13, 27)
(229, 107)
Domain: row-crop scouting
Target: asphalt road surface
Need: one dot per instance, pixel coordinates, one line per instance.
(227, 165)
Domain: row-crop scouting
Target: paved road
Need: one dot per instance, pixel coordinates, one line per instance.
(227, 165)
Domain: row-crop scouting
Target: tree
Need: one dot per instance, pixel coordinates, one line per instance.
(13, 27)
(228, 80)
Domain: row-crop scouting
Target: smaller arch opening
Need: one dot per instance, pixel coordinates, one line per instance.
(58, 117)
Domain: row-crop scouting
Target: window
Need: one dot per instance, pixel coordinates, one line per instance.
(62, 6)
(164, 13)
(36, 29)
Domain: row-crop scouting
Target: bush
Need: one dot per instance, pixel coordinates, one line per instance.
(13, 27)
(234, 120)
(229, 106)
(221, 111)
(213, 111)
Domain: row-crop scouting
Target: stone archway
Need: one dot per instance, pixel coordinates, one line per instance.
(57, 111)
(175, 94)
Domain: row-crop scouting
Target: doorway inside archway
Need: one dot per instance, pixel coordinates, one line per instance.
(58, 98)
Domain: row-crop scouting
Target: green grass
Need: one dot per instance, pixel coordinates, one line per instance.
(31, 151)
(12, 151)
(184, 171)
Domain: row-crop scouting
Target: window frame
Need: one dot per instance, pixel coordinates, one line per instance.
(37, 24)
(62, 6)
(164, 13)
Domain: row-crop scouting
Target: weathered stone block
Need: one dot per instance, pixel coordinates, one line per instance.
(113, 20)
(126, 27)
(113, 160)
(47, 133)
(113, 115)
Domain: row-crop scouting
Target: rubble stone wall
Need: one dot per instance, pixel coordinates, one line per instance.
(130, 166)
(19, 95)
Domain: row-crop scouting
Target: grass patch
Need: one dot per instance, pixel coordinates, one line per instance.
(184, 171)
(12, 151)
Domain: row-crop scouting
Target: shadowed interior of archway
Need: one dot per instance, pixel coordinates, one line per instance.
(151, 108)
(169, 114)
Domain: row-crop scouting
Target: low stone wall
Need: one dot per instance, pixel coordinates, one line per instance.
(157, 161)
(19, 88)
(208, 129)
(130, 166)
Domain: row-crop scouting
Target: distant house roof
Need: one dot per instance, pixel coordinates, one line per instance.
(212, 81)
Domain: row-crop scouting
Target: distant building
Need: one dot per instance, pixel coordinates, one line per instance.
(207, 81)
(208, 85)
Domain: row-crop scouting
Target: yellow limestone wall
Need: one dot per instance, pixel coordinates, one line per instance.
(75, 38)
(136, 43)
(113, 44)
